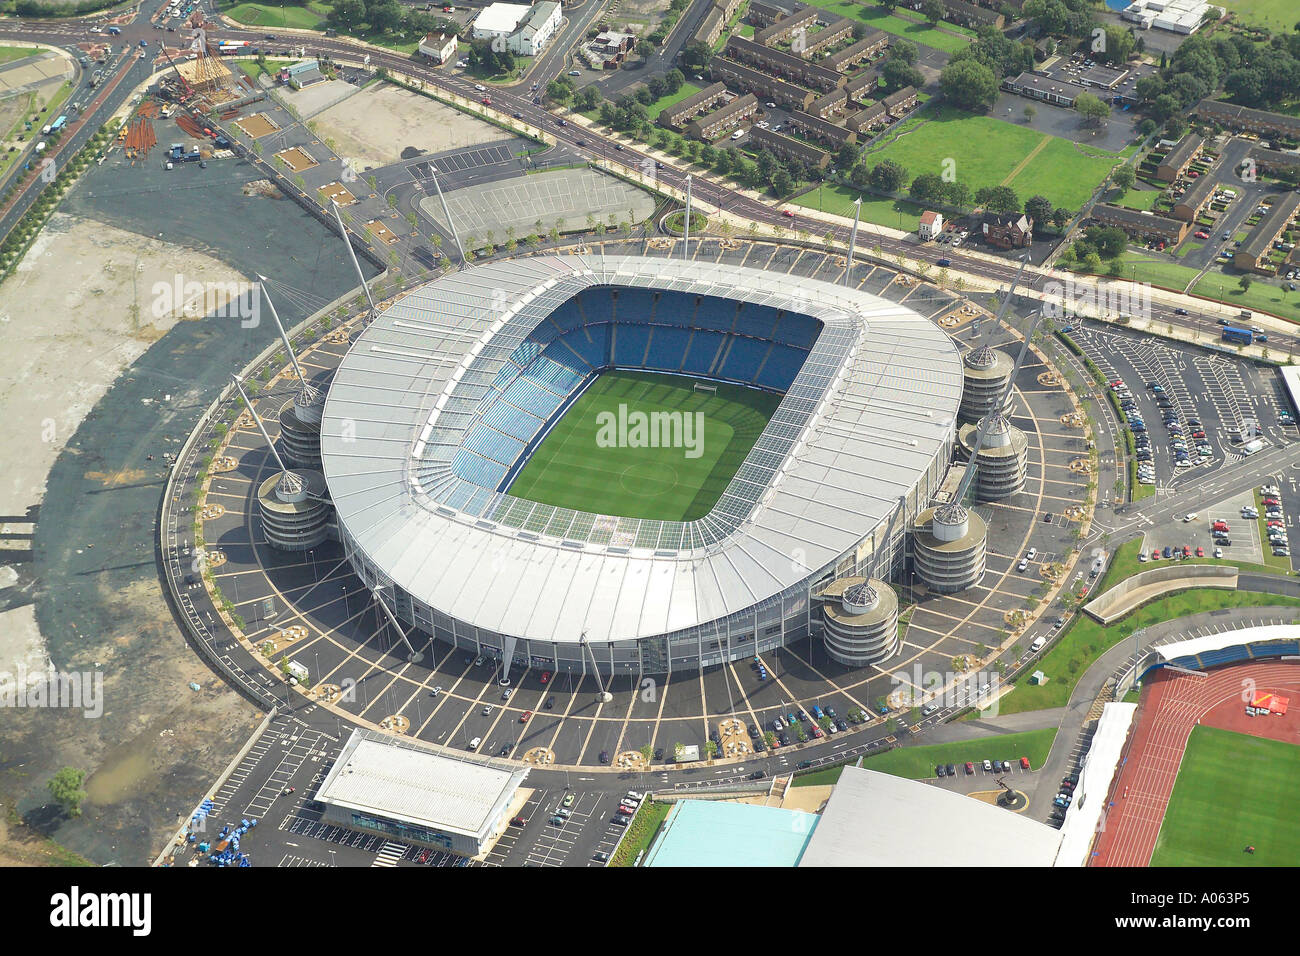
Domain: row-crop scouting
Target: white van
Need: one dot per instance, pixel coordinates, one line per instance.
(1038, 644)
(473, 744)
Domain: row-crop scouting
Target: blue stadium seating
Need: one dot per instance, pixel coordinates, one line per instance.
(630, 343)
(782, 365)
(471, 467)
(704, 349)
(667, 348)
(756, 320)
(635, 305)
(743, 358)
(799, 331)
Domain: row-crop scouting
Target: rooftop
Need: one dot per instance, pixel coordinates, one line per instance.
(714, 834)
(399, 779)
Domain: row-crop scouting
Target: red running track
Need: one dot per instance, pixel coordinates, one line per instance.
(1172, 704)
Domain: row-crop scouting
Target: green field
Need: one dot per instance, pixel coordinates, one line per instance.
(1232, 791)
(1277, 15)
(989, 152)
(9, 54)
(921, 33)
(661, 104)
(577, 466)
(1261, 296)
(897, 214)
(917, 763)
(265, 15)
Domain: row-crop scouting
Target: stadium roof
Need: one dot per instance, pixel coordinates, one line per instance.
(713, 834)
(398, 779)
(1083, 820)
(872, 407)
(877, 819)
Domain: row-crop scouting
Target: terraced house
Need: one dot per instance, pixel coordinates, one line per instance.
(1192, 203)
(898, 104)
(750, 80)
(846, 59)
(715, 21)
(1179, 157)
(824, 132)
(787, 66)
(825, 106)
(1139, 225)
(868, 118)
(1255, 253)
(863, 89)
(706, 99)
(832, 33)
(789, 148)
(1242, 119)
(784, 28)
(710, 126)
(971, 16)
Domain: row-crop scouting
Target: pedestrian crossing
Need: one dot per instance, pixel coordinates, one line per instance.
(390, 854)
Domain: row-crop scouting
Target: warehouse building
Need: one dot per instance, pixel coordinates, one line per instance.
(408, 791)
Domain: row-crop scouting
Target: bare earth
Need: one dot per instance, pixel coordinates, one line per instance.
(373, 128)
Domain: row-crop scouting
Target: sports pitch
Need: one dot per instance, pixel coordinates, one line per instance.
(1232, 791)
(602, 457)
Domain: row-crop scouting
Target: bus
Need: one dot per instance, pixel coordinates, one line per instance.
(1238, 336)
(58, 123)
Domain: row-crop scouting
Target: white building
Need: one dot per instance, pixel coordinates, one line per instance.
(1177, 16)
(931, 224)
(439, 47)
(525, 29)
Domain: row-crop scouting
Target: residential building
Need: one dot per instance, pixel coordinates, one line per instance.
(1253, 255)
(824, 132)
(728, 7)
(814, 42)
(864, 49)
(710, 27)
(787, 66)
(767, 87)
(709, 126)
(1143, 226)
(439, 47)
(898, 104)
(1190, 204)
(525, 29)
(868, 118)
(863, 89)
(1272, 160)
(1179, 158)
(1241, 118)
(762, 14)
(1007, 230)
(931, 224)
(679, 113)
(783, 29)
(971, 16)
(787, 147)
(833, 102)
(1047, 89)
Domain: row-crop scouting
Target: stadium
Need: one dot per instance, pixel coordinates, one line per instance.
(630, 464)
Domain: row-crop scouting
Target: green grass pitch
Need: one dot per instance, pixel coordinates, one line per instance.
(572, 469)
(1232, 791)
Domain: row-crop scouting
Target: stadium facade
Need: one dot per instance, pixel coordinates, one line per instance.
(445, 395)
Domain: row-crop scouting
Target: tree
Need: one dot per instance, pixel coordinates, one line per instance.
(65, 788)
(782, 181)
(997, 199)
(559, 91)
(1245, 283)
(970, 85)
(898, 74)
(847, 157)
(933, 10)
(1030, 113)
(1092, 109)
(673, 81)
(888, 176)
(644, 49)
(1039, 209)
(1060, 217)
(901, 49)
(1124, 178)
(927, 187)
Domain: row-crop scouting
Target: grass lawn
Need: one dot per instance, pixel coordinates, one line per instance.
(1232, 791)
(921, 33)
(641, 832)
(1145, 267)
(1277, 15)
(9, 54)
(1260, 296)
(897, 214)
(1086, 640)
(661, 104)
(265, 15)
(917, 763)
(578, 466)
(1140, 199)
(989, 152)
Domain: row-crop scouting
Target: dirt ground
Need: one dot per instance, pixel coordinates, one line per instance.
(77, 313)
(374, 127)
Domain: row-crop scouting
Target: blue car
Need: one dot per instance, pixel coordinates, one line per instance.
(1167, 552)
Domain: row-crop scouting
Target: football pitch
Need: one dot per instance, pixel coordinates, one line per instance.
(1232, 791)
(646, 445)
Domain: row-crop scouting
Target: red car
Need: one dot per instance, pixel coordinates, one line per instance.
(1155, 554)
(517, 821)
(523, 718)
(1117, 384)
(1200, 552)
(1193, 175)
(546, 675)
(1187, 552)
(1270, 502)
(1202, 235)
(1024, 763)
(970, 767)
(1274, 524)
(1198, 434)
(818, 732)
(787, 213)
